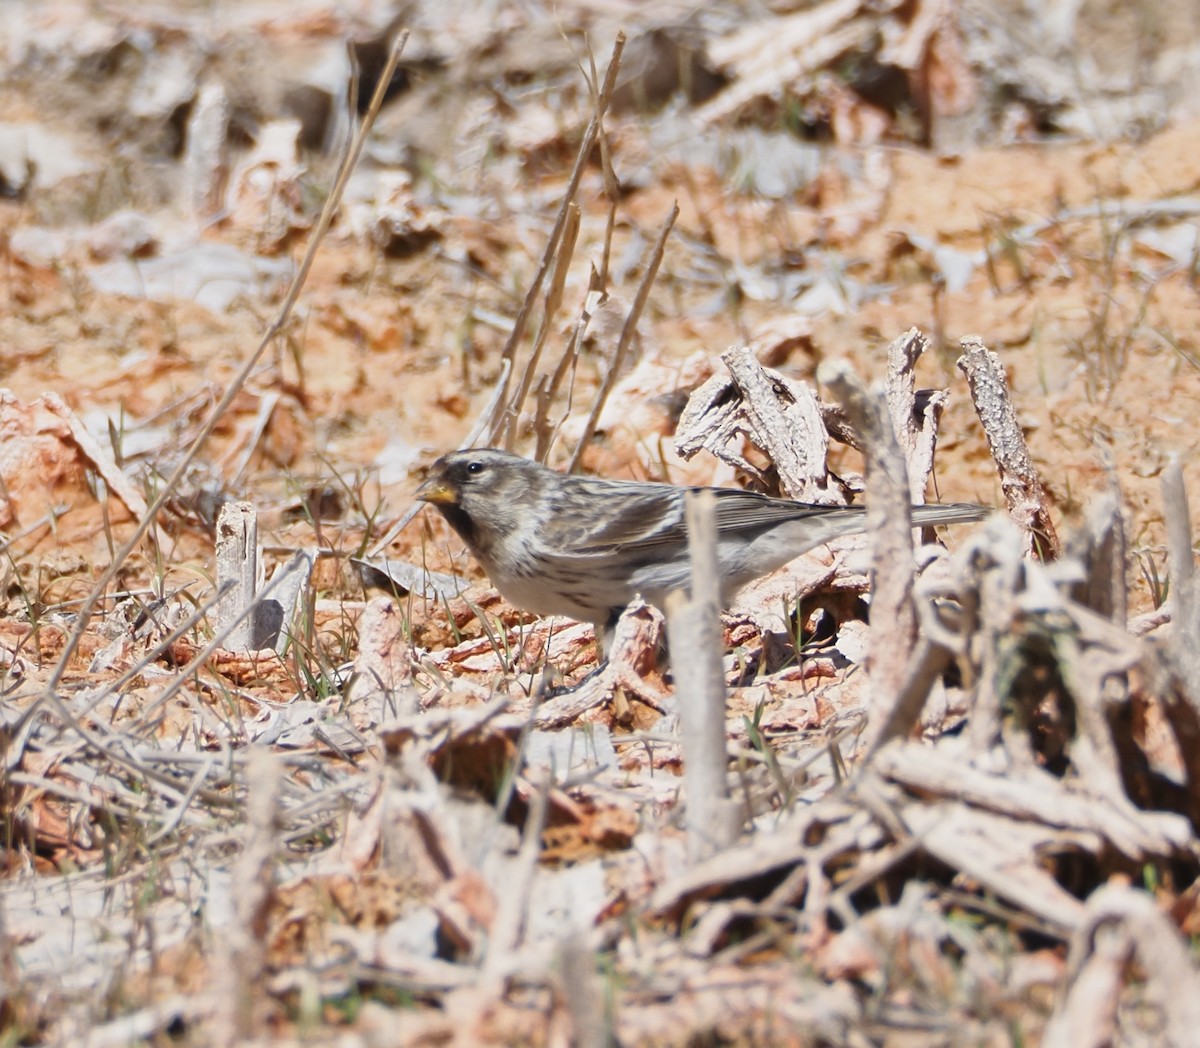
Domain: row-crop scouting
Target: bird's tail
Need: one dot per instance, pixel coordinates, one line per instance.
(948, 513)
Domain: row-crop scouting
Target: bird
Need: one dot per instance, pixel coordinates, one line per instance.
(585, 547)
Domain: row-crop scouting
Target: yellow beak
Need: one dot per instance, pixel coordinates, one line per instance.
(438, 492)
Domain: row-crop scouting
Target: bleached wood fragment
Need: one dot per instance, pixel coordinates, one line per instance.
(780, 416)
(237, 573)
(634, 650)
(1185, 608)
(768, 56)
(205, 156)
(1034, 797)
(1018, 477)
(999, 853)
(915, 414)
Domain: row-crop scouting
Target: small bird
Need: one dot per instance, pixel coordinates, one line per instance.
(561, 544)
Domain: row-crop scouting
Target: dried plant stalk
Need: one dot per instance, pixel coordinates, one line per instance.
(889, 525)
(627, 333)
(583, 993)
(242, 974)
(929, 661)
(512, 906)
(497, 421)
(1101, 549)
(1182, 690)
(206, 157)
(1185, 609)
(1018, 478)
(549, 386)
(694, 628)
(550, 309)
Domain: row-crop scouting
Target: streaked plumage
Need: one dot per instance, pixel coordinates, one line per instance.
(584, 547)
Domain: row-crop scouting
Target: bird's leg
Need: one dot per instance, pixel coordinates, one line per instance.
(606, 633)
(566, 689)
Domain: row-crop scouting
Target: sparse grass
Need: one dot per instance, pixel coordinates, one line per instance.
(760, 744)
(1157, 584)
(1004, 248)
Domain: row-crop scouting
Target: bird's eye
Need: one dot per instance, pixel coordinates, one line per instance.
(474, 468)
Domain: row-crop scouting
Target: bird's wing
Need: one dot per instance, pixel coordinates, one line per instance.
(650, 517)
(739, 511)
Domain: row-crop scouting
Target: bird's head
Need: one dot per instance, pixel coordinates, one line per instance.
(480, 491)
(477, 473)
